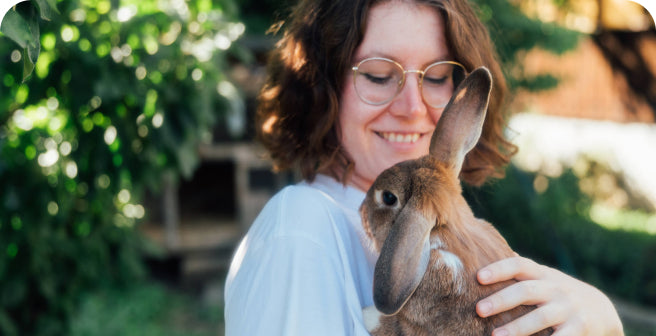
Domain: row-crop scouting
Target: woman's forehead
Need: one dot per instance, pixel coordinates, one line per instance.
(410, 33)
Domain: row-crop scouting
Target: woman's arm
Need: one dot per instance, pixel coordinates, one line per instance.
(290, 286)
(290, 273)
(570, 306)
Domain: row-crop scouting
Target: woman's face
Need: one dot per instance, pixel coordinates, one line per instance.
(377, 137)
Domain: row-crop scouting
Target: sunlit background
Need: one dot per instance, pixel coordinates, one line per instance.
(128, 170)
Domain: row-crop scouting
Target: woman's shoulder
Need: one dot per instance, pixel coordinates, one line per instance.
(298, 211)
(292, 198)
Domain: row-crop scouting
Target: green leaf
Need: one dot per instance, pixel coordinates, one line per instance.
(17, 29)
(28, 65)
(34, 50)
(47, 8)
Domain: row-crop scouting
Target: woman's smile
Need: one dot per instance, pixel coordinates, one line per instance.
(400, 137)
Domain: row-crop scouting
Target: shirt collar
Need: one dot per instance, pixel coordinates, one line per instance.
(347, 197)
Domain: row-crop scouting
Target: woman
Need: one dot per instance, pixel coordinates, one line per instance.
(305, 266)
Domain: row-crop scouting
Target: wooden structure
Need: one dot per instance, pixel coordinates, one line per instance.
(200, 240)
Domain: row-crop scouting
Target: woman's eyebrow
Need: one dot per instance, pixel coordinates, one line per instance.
(441, 58)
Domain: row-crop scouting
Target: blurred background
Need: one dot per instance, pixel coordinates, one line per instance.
(128, 170)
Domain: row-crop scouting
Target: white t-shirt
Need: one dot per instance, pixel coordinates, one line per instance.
(305, 267)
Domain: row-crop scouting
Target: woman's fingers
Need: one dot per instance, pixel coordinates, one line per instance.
(568, 305)
(536, 320)
(517, 268)
(529, 292)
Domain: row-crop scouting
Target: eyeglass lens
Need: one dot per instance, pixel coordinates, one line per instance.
(378, 81)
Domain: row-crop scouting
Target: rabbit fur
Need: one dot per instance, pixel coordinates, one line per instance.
(430, 243)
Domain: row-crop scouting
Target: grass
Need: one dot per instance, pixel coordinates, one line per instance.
(146, 309)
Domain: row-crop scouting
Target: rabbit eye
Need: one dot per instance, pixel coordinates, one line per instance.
(389, 198)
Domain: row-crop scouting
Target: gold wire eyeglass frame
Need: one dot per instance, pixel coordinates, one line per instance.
(402, 82)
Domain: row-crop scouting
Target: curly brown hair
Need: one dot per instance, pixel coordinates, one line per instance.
(298, 110)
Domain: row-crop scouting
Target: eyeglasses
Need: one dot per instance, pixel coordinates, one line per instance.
(378, 80)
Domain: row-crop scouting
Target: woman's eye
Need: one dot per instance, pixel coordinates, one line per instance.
(435, 80)
(389, 198)
(381, 80)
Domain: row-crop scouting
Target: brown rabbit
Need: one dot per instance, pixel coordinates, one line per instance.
(430, 243)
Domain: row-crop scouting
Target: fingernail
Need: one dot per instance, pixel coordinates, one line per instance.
(485, 275)
(500, 332)
(485, 307)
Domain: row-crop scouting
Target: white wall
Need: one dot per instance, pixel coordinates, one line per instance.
(549, 144)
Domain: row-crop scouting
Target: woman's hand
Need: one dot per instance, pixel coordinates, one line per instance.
(570, 306)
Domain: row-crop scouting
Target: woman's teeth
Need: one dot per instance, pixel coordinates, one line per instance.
(397, 137)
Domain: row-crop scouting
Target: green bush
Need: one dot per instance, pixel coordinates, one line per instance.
(554, 227)
(121, 93)
(145, 309)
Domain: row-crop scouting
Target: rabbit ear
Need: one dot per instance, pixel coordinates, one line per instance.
(461, 123)
(403, 260)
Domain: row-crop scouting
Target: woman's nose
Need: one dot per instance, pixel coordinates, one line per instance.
(409, 103)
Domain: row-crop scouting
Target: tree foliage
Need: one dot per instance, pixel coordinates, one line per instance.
(513, 34)
(121, 93)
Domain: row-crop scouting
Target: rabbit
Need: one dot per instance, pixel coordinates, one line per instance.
(430, 243)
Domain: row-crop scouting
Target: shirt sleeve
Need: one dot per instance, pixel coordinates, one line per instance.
(289, 282)
(294, 289)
